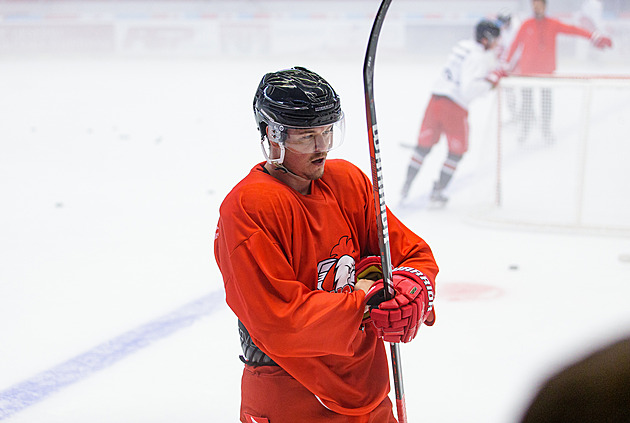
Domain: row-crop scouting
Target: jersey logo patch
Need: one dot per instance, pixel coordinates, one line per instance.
(337, 273)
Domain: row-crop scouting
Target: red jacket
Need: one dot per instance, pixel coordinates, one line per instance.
(287, 262)
(536, 42)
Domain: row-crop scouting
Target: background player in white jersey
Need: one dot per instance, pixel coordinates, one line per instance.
(470, 71)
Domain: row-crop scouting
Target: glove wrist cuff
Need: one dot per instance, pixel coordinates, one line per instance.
(421, 279)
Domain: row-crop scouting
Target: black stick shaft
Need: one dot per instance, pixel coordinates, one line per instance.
(375, 153)
(379, 193)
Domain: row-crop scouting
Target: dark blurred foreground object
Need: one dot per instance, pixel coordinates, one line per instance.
(595, 389)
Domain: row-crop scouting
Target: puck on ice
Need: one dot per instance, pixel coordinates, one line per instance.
(513, 267)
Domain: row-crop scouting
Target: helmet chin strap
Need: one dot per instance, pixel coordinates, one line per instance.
(277, 163)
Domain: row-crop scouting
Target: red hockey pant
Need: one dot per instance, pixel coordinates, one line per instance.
(444, 116)
(269, 394)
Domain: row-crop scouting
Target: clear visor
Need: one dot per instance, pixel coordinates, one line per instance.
(318, 139)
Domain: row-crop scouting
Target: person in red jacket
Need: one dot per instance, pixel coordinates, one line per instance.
(534, 49)
(297, 246)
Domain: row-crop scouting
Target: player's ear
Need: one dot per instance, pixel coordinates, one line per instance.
(270, 139)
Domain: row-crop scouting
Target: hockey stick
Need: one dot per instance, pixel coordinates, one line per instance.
(379, 194)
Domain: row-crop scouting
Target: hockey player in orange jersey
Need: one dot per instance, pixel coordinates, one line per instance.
(534, 51)
(297, 246)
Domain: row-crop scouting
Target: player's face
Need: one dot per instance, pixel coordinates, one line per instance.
(304, 155)
(495, 42)
(309, 140)
(539, 6)
(307, 156)
(491, 44)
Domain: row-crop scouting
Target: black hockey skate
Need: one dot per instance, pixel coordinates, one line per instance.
(438, 199)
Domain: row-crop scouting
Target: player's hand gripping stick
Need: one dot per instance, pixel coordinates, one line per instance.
(397, 319)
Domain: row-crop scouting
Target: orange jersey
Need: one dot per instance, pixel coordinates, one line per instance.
(288, 263)
(536, 42)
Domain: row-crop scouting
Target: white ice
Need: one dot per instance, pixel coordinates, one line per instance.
(111, 175)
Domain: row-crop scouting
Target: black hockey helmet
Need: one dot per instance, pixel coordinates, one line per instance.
(487, 29)
(297, 98)
(504, 19)
(297, 110)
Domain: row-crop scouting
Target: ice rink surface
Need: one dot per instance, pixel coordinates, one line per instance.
(111, 305)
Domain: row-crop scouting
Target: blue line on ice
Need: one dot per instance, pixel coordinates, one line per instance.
(37, 388)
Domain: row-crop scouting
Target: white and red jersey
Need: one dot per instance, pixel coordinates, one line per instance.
(463, 77)
(536, 45)
(288, 265)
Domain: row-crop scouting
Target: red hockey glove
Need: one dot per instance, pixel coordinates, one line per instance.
(398, 319)
(601, 41)
(369, 268)
(495, 76)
